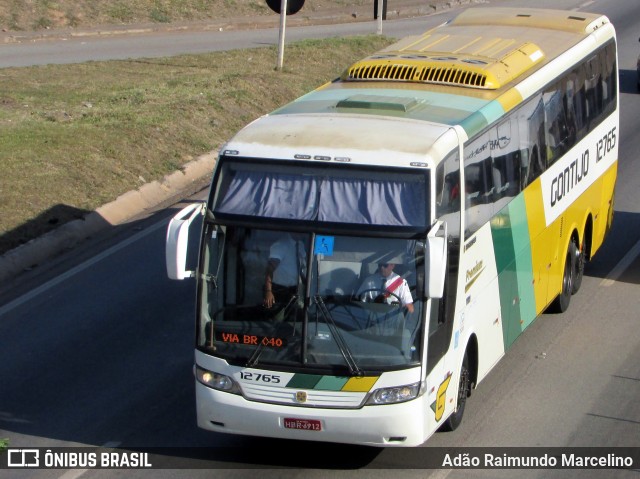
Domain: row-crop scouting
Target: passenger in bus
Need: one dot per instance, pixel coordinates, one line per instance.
(285, 269)
(385, 286)
(454, 194)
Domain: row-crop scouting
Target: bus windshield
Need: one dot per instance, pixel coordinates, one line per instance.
(331, 310)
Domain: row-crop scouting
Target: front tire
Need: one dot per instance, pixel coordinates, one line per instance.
(464, 391)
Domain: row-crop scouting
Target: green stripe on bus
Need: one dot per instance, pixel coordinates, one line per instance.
(304, 381)
(510, 233)
(503, 246)
(524, 263)
(331, 383)
(474, 123)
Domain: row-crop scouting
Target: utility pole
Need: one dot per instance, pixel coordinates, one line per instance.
(283, 23)
(379, 15)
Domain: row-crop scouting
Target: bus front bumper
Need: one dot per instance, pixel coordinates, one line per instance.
(384, 425)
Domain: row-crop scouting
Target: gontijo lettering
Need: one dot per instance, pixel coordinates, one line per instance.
(569, 177)
(578, 169)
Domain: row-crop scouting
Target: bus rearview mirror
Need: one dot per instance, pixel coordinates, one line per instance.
(436, 261)
(178, 239)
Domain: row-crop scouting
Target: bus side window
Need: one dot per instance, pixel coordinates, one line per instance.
(568, 93)
(442, 189)
(472, 179)
(579, 102)
(498, 184)
(556, 127)
(506, 176)
(610, 80)
(593, 89)
(450, 193)
(600, 84)
(531, 140)
(506, 162)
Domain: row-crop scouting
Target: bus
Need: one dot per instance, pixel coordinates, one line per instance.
(479, 158)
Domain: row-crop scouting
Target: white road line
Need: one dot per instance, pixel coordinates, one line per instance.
(440, 474)
(76, 473)
(622, 265)
(63, 277)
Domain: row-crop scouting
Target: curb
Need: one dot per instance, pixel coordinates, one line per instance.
(120, 211)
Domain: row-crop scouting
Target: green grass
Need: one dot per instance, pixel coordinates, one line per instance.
(29, 15)
(81, 135)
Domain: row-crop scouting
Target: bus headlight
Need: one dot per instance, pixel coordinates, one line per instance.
(394, 395)
(217, 381)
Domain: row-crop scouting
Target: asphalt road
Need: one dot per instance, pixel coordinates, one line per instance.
(97, 349)
(153, 44)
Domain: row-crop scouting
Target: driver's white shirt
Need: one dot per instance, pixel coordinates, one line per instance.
(374, 282)
(285, 250)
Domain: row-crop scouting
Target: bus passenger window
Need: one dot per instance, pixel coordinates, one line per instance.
(471, 182)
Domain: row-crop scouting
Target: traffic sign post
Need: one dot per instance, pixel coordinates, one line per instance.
(284, 8)
(283, 23)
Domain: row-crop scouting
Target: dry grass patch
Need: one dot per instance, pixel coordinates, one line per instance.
(29, 15)
(81, 135)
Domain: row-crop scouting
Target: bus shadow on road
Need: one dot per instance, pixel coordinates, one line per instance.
(616, 258)
(278, 454)
(628, 81)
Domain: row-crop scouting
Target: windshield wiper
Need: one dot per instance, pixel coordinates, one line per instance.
(342, 345)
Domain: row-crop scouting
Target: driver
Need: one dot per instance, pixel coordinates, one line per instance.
(386, 286)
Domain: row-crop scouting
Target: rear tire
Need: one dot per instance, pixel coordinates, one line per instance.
(578, 270)
(464, 391)
(561, 303)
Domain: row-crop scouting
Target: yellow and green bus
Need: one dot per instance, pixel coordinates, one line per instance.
(472, 168)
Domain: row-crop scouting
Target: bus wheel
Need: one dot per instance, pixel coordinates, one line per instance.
(464, 391)
(561, 303)
(578, 268)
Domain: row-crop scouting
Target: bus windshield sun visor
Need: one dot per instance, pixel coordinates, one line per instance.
(324, 195)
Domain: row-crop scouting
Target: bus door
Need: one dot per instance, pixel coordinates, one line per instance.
(441, 365)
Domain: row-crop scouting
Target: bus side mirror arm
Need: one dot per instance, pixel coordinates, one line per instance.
(178, 239)
(436, 260)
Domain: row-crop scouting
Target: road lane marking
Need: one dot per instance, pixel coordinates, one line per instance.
(622, 266)
(76, 473)
(82, 266)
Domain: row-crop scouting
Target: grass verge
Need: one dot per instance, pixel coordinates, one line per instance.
(73, 137)
(34, 15)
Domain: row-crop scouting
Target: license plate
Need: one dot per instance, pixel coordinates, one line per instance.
(304, 424)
